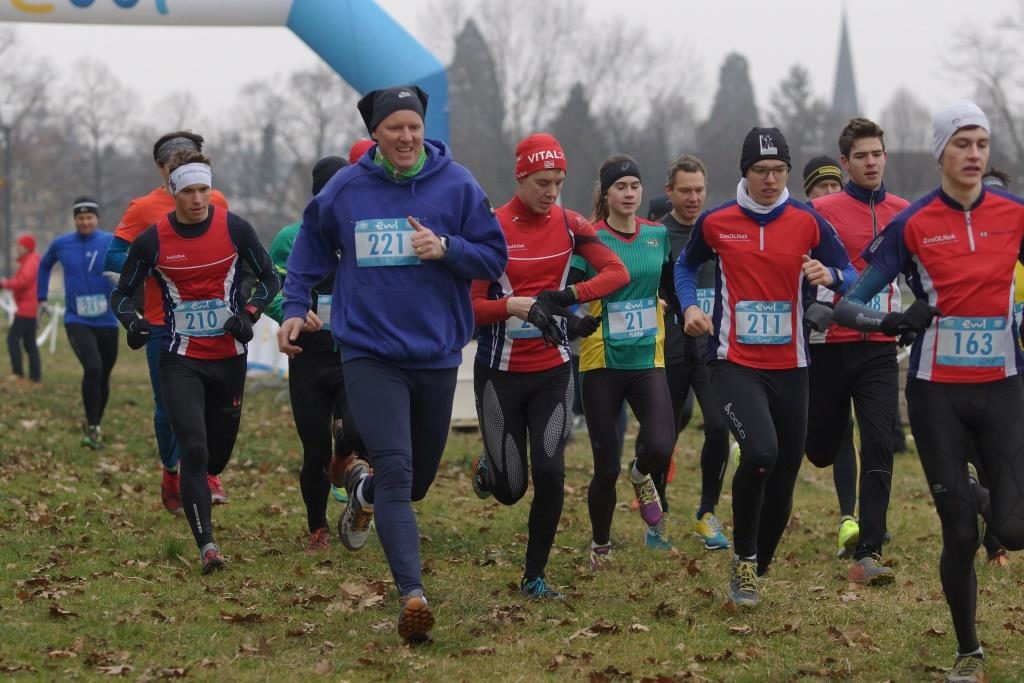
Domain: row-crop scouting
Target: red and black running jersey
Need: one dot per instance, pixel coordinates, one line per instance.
(962, 262)
(758, 309)
(197, 270)
(859, 216)
(540, 250)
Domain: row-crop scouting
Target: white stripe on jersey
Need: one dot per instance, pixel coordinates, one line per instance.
(725, 328)
(797, 338)
(930, 337)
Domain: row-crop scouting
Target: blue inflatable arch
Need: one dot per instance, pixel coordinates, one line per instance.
(357, 38)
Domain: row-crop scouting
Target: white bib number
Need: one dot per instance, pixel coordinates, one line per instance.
(706, 300)
(91, 305)
(976, 342)
(520, 329)
(764, 322)
(632, 319)
(385, 242)
(201, 318)
(323, 310)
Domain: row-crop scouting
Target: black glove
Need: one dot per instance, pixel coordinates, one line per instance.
(561, 298)
(239, 326)
(582, 326)
(915, 319)
(138, 333)
(818, 316)
(541, 318)
(907, 338)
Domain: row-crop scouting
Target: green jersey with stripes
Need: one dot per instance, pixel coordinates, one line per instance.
(632, 334)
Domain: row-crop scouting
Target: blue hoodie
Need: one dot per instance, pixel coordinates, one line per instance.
(417, 315)
(84, 282)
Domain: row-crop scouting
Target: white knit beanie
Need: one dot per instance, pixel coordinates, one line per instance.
(952, 118)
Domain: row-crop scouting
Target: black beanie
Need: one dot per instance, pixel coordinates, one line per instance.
(821, 168)
(377, 105)
(85, 204)
(324, 170)
(761, 144)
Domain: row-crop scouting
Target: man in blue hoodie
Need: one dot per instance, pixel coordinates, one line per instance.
(413, 229)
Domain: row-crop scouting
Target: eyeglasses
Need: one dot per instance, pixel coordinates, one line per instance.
(780, 172)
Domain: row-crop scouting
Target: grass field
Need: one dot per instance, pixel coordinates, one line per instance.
(98, 581)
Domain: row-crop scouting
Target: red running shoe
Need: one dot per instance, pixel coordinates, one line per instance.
(336, 470)
(213, 561)
(217, 493)
(319, 540)
(170, 492)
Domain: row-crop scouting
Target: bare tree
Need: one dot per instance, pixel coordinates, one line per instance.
(802, 117)
(906, 122)
(176, 111)
(100, 107)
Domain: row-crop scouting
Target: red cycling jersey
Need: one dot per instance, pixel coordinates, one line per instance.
(961, 262)
(859, 215)
(540, 250)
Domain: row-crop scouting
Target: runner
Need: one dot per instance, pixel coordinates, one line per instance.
(848, 365)
(522, 377)
(626, 361)
(957, 247)
(822, 176)
(685, 366)
(23, 328)
(91, 327)
(141, 213)
(406, 318)
(194, 255)
(316, 385)
(766, 245)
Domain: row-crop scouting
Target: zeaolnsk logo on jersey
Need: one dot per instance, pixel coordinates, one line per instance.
(768, 145)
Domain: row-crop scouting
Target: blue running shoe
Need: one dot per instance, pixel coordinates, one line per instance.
(536, 589)
(743, 588)
(655, 539)
(480, 477)
(339, 494)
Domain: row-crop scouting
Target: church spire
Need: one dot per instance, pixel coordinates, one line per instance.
(844, 98)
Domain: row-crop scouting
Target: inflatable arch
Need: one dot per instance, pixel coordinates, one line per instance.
(357, 38)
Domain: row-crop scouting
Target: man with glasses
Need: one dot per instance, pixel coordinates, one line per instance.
(765, 246)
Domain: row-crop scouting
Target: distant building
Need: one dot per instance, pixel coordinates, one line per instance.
(844, 97)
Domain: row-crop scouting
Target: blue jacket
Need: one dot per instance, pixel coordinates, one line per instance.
(388, 304)
(84, 283)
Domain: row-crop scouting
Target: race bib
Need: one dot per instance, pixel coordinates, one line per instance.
(385, 242)
(706, 300)
(764, 322)
(977, 342)
(632, 319)
(201, 318)
(91, 305)
(1018, 309)
(323, 310)
(520, 329)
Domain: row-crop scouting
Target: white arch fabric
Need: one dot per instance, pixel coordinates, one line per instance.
(166, 12)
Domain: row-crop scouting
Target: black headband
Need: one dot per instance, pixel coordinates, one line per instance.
(619, 169)
(169, 147)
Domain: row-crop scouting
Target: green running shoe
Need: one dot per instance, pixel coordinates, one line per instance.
(967, 669)
(743, 589)
(849, 536)
(339, 494)
(536, 589)
(93, 438)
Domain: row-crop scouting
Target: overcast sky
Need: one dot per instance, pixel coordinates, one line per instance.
(894, 42)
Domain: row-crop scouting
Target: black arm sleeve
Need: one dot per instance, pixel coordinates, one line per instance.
(667, 288)
(252, 252)
(141, 256)
(858, 316)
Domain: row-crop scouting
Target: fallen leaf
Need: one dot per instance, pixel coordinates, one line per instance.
(482, 650)
(60, 654)
(638, 628)
(172, 672)
(322, 667)
(59, 612)
(248, 618)
(934, 632)
(115, 669)
(665, 611)
(742, 629)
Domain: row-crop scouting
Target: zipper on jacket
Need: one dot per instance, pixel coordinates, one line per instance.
(874, 217)
(970, 229)
(762, 236)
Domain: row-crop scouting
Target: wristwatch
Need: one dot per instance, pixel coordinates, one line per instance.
(444, 244)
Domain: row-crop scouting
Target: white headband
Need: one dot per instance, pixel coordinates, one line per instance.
(949, 120)
(189, 174)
